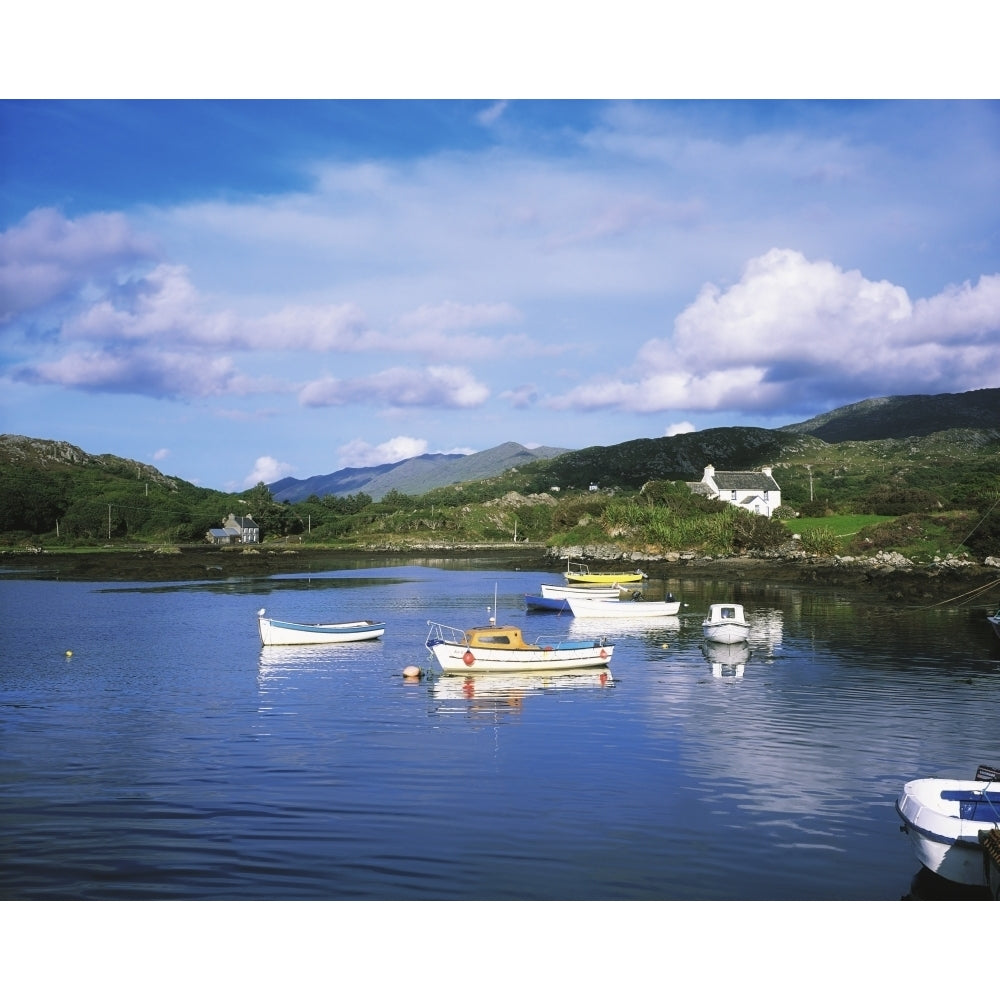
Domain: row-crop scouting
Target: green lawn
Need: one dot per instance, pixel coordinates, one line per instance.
(839, 525)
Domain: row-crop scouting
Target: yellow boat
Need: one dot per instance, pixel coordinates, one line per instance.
(580, 573)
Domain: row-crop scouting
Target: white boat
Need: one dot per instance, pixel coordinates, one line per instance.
(943, 817)
(589, 593)
(493, 648)
(726, 623)
(583, 608)
(278, 633)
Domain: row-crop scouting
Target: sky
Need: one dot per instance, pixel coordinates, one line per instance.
(236, 290)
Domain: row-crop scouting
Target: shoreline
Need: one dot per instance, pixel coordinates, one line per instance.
(883, 580)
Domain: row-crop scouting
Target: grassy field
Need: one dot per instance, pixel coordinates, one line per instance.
(838, 525)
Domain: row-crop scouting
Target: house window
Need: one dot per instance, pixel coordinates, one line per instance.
(733, 497)
(765, 496)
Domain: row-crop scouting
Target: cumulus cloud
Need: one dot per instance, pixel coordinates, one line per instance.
(795, 332)
(359, 454)
(683, 427)
(435, 386)
(267, 470)
(47, 257)
(160, 374)
(160, 454)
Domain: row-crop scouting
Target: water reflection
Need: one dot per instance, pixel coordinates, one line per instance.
(727, 659)
(506, 692)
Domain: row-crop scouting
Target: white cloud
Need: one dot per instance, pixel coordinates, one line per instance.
(160, 454)
(359, 454)
(267, 470)
(793, 333)
(683, 427)
(48, 256)
(434, 386)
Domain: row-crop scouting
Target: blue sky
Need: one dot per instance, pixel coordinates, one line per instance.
(237, 291)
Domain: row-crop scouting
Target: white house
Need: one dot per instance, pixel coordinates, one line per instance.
(754, 491)
(243, 529)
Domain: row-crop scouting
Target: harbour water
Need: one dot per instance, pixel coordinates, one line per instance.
(151, 750)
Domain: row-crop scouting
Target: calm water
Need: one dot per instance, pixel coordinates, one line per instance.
(170, 757)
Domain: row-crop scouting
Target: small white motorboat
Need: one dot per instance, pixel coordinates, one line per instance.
(726, 623)
(944, 817)
(278, 633)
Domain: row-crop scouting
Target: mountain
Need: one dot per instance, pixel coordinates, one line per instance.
(413, 476)
(904, 417)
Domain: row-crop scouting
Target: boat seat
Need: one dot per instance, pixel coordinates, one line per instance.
(971, 805)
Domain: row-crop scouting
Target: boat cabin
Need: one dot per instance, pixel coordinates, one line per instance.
(494, 636)
(727, 613)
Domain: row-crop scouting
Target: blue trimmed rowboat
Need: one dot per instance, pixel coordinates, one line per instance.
(278, 633)
(944, 817)
(534, 603)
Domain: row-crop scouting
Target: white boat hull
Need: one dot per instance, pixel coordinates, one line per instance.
(457, 658)
(726, 623)
(622, 609)
(279, 633)
(586, 593)
(943, 818)
(727, 632)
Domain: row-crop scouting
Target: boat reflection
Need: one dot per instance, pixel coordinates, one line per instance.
(277, 659)
(727, 659)
(508, 691)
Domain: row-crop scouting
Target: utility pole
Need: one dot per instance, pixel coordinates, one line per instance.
(810, 468)
(109, 522)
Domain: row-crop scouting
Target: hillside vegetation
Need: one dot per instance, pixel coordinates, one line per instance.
(927, 497)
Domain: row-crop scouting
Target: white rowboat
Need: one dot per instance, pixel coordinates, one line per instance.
(622, 609)
(943, 817)
(278, 633)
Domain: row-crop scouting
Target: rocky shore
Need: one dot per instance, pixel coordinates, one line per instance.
(885, 577)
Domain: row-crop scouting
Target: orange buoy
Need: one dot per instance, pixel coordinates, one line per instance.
(467, 658)
(412, 671)
(604, 653)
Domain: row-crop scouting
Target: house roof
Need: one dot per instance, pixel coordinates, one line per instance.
(218, 532)
(745, 481)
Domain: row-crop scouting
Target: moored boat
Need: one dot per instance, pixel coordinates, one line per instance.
(623, 609)
(588, 593)
(580, 573)
(534, 602)
(491, 648)
(274, 632)
(944, 817)
(726, 623)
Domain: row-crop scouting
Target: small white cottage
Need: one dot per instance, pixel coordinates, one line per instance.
(753, 491)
